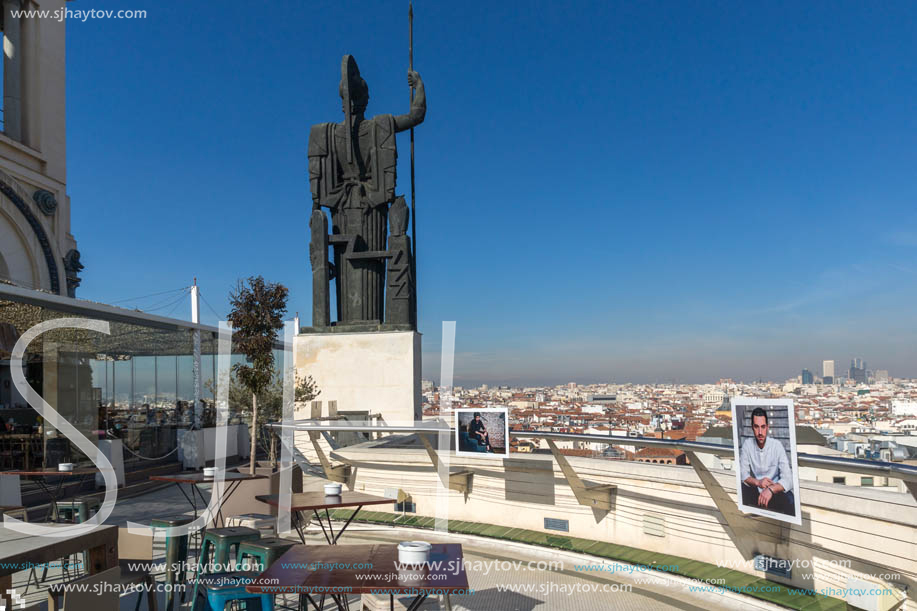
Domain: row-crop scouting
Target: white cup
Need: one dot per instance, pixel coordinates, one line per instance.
(332, 489)
(414, 553)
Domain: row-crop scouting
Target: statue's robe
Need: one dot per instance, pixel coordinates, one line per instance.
(358, 192)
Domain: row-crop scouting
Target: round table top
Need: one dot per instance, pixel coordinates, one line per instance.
(52, 472)
(197, 477)
(307, 501)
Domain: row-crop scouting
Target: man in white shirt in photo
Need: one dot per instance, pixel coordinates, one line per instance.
(767, 478)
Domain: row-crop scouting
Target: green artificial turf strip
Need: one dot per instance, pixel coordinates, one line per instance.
(737, 581)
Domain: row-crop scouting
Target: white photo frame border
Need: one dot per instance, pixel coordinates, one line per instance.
(794, 460)
(482, 410)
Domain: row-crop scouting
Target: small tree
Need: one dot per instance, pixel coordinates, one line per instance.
(304, 389)
(270, 402)
(257, 315)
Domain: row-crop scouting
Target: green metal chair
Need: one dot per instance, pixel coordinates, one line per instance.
(219, 591)
(176, 557)
(219, 542)
(76, 511)
(265, 551)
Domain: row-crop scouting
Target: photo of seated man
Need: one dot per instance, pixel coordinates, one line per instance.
(482, 431)
(478, 432)
(765, 472)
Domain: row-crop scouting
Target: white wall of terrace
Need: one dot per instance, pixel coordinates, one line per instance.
(845, 533)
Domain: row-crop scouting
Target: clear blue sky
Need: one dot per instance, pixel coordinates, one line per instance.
(642, 191)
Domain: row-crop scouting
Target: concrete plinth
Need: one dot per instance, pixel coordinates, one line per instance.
(376, 372)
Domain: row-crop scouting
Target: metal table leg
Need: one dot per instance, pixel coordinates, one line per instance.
(320, 523)
(418, 601)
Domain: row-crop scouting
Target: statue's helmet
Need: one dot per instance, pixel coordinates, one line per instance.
(353, 89)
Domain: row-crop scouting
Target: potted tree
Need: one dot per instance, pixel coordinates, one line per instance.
(256, 316)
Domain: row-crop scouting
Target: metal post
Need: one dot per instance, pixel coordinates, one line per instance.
(131, 400)
(196, 365)
(413, 190)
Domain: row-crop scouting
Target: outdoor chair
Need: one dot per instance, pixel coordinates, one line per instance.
(265, 551)
(220, 542)
(21, 513)
(136, 549)
(220, 589)
(263, 522)
(176, 556)
(76, 511)
(80, 594)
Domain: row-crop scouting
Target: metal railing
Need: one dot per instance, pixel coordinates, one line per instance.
(908, 473)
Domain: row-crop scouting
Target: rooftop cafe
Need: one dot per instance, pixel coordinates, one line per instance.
(368, 512)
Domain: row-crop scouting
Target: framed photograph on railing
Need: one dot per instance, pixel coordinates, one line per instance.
(482, 431)
(767, 471)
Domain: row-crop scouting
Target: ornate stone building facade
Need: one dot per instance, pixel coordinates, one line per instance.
(37, 249)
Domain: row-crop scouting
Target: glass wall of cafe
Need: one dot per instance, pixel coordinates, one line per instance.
(136, 384)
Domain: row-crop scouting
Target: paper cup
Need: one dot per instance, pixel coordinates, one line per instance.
(332, 489)
(414, 553)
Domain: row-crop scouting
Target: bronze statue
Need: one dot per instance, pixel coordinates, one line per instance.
(352, 173)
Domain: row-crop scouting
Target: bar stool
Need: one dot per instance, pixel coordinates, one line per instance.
(176, 556)
(264, 522)
(20, 513)
(265, 551)
(77, 511)
(220, 542)
(220, 589)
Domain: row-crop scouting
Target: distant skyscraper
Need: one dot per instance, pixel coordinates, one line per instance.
(858, 371)
(881, 375)
(807, 377)
(827, 372)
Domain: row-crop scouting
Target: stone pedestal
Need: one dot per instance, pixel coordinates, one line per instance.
(376, 372)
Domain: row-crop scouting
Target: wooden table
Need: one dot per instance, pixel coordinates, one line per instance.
(41, 477)
(19, 551)
(301, 502)
(195, 479)
(306, 570)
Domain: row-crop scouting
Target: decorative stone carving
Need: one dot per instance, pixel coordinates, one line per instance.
(7, 187)
(72, 267)
(46, 201)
